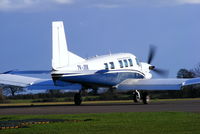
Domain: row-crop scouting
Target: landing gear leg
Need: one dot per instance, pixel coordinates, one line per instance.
(145, 98)
(77, 99)
(136, 96)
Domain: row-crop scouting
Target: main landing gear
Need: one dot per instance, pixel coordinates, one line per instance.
(137, 97)
(143, 96)
(77, 99)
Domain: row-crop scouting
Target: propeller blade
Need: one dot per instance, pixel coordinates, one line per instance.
(152, 52)
(161, 72)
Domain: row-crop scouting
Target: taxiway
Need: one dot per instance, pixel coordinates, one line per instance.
(178, 106)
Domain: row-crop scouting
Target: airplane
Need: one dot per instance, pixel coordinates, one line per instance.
(120, 71)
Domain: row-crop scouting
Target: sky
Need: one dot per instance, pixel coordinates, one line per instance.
(98, 27)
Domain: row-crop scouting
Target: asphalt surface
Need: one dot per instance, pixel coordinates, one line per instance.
(178, 106)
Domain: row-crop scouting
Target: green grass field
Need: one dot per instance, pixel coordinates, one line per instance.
(112, 123)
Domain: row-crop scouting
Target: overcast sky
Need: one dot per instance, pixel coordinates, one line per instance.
(96, 27)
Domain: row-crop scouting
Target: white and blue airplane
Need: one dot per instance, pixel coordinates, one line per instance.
(120, 71)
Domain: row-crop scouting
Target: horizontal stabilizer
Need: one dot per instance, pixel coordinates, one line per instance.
(28, 72)
(17, 80)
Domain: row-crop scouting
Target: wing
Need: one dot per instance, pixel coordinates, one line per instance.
(156, 84)
(32, 83)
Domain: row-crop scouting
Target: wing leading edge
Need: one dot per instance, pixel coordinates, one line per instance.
(156, 84)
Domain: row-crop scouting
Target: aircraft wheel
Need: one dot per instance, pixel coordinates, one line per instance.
(77, 99)
(145, 98)
(136, 96)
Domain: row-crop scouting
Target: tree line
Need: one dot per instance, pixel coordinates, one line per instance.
(194, 90)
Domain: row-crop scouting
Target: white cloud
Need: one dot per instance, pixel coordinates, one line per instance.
(189, 1)
(64, 1)
(106, 5)
(8, 5)
(16, 4)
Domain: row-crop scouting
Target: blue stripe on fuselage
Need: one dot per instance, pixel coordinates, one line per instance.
(102, 79)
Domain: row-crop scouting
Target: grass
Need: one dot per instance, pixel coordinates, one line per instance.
(113, 123)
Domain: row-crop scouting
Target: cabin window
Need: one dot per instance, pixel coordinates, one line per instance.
(121, 64)
(112, 66)
(126, 63)
(85, 67)
(106, 66)
(79, 67)
(130, 62)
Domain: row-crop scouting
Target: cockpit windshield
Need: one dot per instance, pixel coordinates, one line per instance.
(137, 61)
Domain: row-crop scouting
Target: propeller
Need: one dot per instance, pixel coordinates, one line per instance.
(152, 52)
(161, 72)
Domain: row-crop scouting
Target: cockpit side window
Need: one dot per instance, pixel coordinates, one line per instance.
(126, 63)
(106, 66)
(130, 62)
(121, 64)
(112, 66)
(137, 61)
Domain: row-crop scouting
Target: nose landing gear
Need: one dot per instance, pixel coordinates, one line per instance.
(136, 96)
(143, 96)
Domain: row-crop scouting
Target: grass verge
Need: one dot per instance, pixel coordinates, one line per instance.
(112, 123)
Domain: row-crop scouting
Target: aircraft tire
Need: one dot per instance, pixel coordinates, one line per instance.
(136, 97)
(145, 98)
(77, 99)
